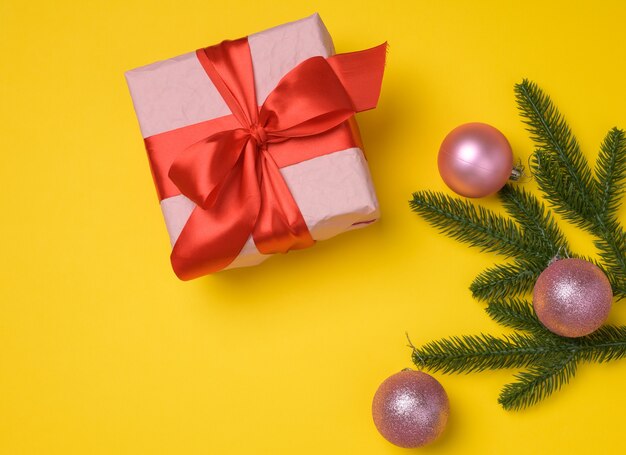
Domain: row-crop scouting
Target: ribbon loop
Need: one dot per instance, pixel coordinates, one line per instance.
(200, 169)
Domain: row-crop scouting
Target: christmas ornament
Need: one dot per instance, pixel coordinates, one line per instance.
(588, 195)
(410, 409)
(572, 297)
(475, 160)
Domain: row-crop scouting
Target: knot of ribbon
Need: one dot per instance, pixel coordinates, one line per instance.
(258, 133)
(233, 174)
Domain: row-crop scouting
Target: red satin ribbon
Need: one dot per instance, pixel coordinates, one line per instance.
(230, 166)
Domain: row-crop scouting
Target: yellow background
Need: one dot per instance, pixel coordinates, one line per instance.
(104, 351)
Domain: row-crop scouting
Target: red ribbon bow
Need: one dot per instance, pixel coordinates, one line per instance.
(233, 173)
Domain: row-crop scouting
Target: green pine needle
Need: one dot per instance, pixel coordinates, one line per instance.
(610, 173)
(537, 383)
(605, 344)
(611, 246)
(472, 353)
(553, 137)
(538, 227)
(475, 225)
(469, 353)
(533, 218)
(516, 314)
(560, 191)
(505, 280)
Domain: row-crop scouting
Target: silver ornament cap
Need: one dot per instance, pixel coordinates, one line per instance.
(572, 297)
(410, 409)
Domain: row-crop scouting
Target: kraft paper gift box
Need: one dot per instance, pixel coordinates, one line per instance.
(334, 192)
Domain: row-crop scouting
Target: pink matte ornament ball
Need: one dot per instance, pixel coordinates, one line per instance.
(572, 297)
(410, 409)
(475, 160)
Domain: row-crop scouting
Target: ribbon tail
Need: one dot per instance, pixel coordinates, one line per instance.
(213, 237)
(361, 74)
(280, 226)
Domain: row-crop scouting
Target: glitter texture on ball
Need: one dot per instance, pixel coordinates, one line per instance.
(475, 160)
(572, 297)
(410, 409)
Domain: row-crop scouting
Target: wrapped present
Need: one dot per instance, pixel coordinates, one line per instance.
(253, 144)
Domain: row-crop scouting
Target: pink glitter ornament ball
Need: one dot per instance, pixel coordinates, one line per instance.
(572, 297)
(410, 409)
(475, 160)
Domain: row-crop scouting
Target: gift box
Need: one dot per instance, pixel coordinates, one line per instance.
(253, 144)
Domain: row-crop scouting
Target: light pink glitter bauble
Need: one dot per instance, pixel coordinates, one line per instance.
(410, 409)
(475, 160)
(572, 297)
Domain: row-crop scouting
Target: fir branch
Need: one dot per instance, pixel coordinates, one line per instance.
(563, 174)
(472, 353)
(534, 219)
(553, 137)
(516, 314)
(610, 182)
(611, 245)
(537, 383)
(469, 353)
(541, 380)
(605, 344)
(560, 191)
(505, 280)
(472, 224)
(610, 174)
(550, 358)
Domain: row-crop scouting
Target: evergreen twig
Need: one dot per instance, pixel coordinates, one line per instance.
(473, 353)
(533, 218)
(538, 225)
(505, 280)
(565, 178)
(537, 383)
(610, 173)
(516, 314)
(475, 225)
(553, 138)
